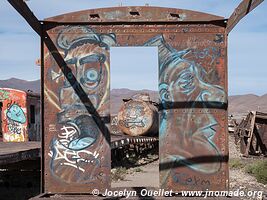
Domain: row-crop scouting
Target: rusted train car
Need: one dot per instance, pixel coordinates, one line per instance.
(193, 88)
(19, 116)
(134, 130)
(138, 116)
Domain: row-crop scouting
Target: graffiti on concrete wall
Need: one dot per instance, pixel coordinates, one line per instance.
(14, 124)
(77, 152)
(183, 84)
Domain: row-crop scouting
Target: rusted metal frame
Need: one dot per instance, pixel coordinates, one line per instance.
(27, 14)
(100, 121)
(136, 13)
(245, 7)
(66, 70)
(223, 21)
(133, 23)
(252, 126)
(52, 24)
(42, 114)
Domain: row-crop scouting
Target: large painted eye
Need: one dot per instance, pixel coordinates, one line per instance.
(186, 81)
(164, 93)
(92, 75)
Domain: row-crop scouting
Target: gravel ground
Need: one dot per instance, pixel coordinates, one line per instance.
(239, 179)
(147, 175)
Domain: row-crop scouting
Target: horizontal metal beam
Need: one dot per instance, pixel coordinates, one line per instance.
(245, 7)
(136, 14)
(27, 14)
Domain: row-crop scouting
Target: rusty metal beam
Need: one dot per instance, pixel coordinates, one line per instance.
(245, 7)
(136, 14)
(27, 14)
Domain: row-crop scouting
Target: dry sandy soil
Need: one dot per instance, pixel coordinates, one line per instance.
(239, 179)
(147, 177)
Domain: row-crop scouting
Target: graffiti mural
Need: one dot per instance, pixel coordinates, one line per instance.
(78, 150)
(192, 89)
(138, 116)
(134, 116)
(14, 120)
(114, 129)
(15, 113)
(183, 84)
(4, 94)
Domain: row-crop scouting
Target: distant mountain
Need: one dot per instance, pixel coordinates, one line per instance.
(15, 83)
(238, 104)
(116, 96)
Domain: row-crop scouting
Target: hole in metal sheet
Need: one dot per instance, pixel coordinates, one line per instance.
(174, 15)
(135, 13)
(94, 16)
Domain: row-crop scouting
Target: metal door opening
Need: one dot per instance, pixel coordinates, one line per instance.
(134, 116)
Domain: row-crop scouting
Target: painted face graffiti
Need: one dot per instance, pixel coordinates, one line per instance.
(182, 81)
(15, 113)
(86, 54)
(134, 115)
(15, 123)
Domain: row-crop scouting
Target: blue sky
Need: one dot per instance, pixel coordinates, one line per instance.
(247, 71)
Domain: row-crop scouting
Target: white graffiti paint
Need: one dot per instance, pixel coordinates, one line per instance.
(70, 157)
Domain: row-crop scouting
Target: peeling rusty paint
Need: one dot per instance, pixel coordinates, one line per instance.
(138, 116)
(192, 88)
(135, 14)
(77, 154)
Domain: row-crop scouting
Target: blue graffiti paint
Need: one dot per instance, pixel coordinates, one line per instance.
(134, 116)
(81, 143)
(16, 114)
(86, 53)
(181, 80)
(185, 179)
